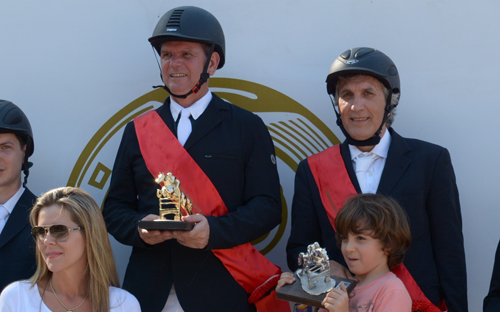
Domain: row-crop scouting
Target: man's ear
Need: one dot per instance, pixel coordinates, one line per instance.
(214, 63)
(24, 152)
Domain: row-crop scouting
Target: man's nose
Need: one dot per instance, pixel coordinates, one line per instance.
(175, 60)
(357, 104)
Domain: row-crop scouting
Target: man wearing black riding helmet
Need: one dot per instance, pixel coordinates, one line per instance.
(365, 89)
(224, 158)
(17, 250)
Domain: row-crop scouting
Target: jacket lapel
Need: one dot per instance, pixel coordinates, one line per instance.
(210, 118)
(18, 220)
(346, 156)
(396, 164)
(166, 115)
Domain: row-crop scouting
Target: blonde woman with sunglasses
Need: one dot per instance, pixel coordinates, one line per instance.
(75, 267)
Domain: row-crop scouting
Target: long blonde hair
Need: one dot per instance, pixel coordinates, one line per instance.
(84, 211)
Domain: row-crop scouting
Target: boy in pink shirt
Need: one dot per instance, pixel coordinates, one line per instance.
(373, 234)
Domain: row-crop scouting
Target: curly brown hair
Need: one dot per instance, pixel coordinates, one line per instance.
(381, 215)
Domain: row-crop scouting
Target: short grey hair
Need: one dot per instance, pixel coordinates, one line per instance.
(394, 100)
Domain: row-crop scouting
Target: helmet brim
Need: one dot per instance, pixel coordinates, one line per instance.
(333, 79)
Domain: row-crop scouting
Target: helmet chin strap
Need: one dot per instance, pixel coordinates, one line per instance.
(375, 139)
(203, 78)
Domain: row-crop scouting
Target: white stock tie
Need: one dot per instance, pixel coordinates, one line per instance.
(3, 217)
(184, 127)
(363, 164)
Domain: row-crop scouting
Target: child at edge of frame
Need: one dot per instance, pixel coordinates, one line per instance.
(373, 234)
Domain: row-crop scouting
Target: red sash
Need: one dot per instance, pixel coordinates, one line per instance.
(335, 187)
(162, 152)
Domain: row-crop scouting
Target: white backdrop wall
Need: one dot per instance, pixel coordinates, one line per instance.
(71, 65)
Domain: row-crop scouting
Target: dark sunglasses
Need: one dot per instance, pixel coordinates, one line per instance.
(58, 232)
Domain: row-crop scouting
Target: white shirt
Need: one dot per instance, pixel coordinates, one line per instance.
(375, 171)
(198, 107)
(9, 206)
(18, 297)
(195, 110)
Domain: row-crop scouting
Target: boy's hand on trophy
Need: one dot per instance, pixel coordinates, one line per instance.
(337, 300)
(285, 278)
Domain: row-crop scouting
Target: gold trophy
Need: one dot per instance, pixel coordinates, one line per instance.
(313, 279)
(173, 205)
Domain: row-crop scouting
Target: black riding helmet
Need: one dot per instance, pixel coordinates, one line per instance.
(13, 120)
(370, 62)
(189, 23)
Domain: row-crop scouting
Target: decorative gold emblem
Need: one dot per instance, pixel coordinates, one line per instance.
(171, 195)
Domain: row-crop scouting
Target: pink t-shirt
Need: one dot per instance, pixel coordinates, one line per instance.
(385, 294)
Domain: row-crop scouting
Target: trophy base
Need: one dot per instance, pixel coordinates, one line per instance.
(295, 293)
(166, 225)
